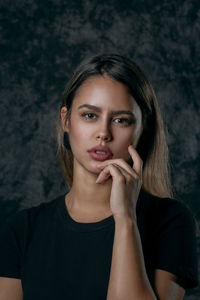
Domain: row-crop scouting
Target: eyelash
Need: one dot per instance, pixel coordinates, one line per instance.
(129, 122)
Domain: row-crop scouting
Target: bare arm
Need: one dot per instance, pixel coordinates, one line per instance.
(128, 277)
(166, 287)
(10, 289)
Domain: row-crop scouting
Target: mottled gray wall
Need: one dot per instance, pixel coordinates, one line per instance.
(41, 43)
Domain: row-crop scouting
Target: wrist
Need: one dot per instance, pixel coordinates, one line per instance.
(126, 220)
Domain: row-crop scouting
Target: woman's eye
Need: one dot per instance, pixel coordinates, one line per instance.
(124, 120)
(90, 116)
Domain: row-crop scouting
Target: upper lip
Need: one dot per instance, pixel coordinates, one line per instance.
(101, 148)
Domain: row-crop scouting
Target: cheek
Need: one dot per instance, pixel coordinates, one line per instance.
(122, 138)
(78, 133)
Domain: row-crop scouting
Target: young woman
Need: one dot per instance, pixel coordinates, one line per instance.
(118, 234)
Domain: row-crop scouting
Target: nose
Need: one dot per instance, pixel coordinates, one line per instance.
(104, 133)
(103, 138)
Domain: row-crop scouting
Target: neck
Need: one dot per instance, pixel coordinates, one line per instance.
(86, 196)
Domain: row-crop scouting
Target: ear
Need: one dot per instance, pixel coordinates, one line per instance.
(65, 122)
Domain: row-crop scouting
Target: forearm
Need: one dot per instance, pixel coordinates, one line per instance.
(128, 277)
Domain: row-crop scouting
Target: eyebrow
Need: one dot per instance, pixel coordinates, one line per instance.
(113, 113)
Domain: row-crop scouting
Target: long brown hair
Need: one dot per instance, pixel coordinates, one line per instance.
(152, 145)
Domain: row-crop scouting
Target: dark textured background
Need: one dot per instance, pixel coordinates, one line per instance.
(42, 42)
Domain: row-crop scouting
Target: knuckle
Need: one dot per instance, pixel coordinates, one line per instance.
(121, 179)
(137, 177)
(129, 179)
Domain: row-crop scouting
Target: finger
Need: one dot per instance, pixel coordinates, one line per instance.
(138, 163)
(116, 172)
(121, 163)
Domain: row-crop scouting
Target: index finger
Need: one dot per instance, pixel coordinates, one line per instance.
(137, 161)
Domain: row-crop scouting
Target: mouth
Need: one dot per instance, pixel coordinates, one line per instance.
(100, 155)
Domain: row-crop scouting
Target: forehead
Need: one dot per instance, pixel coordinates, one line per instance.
(104, 90)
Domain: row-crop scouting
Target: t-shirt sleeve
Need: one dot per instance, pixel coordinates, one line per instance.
(12, 234)
(176, 244)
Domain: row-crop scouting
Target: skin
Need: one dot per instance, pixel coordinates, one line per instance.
(102, 129)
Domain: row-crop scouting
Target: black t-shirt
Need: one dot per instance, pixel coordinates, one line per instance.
(59, 258)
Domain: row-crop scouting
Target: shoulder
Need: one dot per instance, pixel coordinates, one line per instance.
(25, 218)
(162, 211)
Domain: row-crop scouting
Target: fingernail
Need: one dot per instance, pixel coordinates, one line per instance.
(98, 179)
(102, 177)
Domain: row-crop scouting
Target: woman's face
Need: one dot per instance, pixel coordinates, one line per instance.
(100, 124)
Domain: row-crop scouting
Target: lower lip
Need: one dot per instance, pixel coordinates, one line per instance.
(100, 156)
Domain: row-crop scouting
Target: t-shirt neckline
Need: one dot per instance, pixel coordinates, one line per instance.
(91, 226)
(83, 227)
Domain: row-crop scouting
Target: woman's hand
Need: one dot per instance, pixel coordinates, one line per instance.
(126, 184)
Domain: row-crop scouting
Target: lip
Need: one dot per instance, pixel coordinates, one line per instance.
(100, 156)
